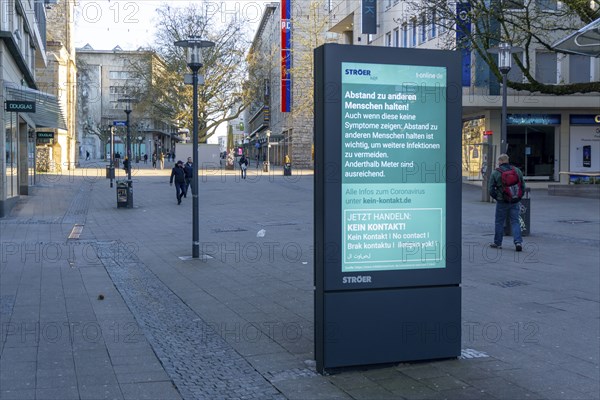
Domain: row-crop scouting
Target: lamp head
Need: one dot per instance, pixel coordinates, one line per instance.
(504, 57)
(193, 47)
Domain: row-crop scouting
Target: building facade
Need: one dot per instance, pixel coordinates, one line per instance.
(26, 107)
(546, 134)
(59, 78)
(281, 62)
(106, 79)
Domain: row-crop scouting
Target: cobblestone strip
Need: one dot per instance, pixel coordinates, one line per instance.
(201, 364)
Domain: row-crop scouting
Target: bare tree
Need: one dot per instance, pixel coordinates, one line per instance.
(310, 23)
(530, 24)
(224, 69)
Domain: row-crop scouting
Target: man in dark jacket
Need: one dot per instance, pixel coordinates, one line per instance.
(243, 165)
(503, 206)
(178, 174)
(188, 167)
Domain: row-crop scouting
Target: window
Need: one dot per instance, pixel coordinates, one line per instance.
(388, 39)
(404, 35)
(413, 33)
(442, 21)
(515, 4)
(117, 90)
(423, 28)
(546, 68)
(579, 69)
(547, 5)
(118, 74)
(515, 74)
(396, 39)
(433, 24)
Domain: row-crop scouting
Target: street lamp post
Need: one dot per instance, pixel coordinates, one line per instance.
(194, 47)
(112, 154)
(504, 51)
(139, 156)
(268, 134)
(128, 110)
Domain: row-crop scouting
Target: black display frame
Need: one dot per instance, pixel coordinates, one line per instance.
(328, 275)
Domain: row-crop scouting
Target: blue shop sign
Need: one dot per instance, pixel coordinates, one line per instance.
(584, 119)
(533, 119)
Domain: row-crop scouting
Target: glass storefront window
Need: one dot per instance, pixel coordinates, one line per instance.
(473, 140)
(11, 156)
(31, 158)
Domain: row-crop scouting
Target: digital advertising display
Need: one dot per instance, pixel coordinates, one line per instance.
(393, 154)
(387, 204)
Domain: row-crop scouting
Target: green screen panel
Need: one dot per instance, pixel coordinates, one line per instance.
(392, 166)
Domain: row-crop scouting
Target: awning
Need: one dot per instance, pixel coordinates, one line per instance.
(48, 112)
(585, 41)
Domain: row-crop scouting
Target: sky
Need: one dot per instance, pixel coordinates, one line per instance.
(105, 24)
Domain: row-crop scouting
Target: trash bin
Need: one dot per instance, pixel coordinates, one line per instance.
(110, 172)
(524, 217)
(123, 194)
(287, 169)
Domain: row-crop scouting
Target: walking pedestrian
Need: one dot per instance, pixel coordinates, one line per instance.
(154, 157)
(178, 175)
(243, 165)
(188, 168)
(145, 158)
(507, 186)
(162, 161)
(126, 164)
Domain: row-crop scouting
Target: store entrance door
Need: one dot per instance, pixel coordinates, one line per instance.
(532, 149)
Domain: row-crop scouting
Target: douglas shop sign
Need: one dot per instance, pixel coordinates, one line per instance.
(20, 106)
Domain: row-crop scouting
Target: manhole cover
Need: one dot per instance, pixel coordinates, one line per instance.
(574, 221)
(508, 284)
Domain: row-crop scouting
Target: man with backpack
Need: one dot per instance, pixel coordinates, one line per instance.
(506, 186)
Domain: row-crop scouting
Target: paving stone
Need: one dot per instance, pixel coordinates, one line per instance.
(11, 355)
(55, 378)
(150, 391)
(444, 383)
(17, 394)
(422, 371)
(64, 393)
(372, 392)
(503, 389)
(351, 380)
(100, 392)
(142, 377)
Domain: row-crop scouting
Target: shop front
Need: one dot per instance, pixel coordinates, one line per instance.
(532, 144)
(584, 148)
(24, 110)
